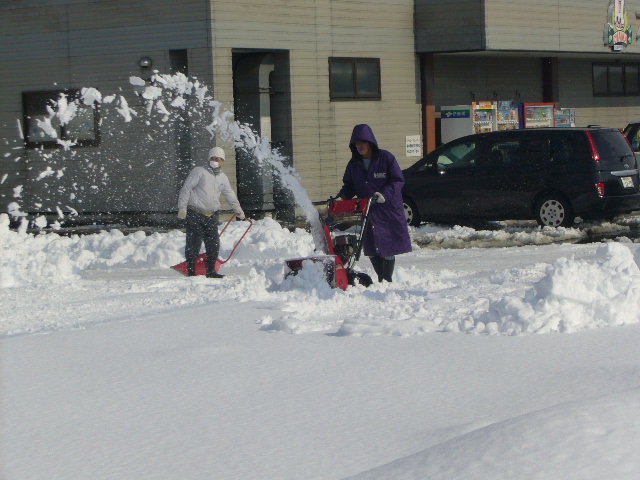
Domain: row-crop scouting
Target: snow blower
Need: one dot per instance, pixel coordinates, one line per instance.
(343, 250)
(201, 261)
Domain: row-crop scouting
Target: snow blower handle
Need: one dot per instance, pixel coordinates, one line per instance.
(331, 200)
(377, 198)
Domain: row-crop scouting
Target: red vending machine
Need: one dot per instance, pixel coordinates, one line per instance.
(536, 115)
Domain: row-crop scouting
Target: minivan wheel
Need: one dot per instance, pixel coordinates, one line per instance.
(411, 212)
(554, 211)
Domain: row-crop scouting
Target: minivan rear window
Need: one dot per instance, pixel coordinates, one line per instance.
(611, 144)
(568, 147)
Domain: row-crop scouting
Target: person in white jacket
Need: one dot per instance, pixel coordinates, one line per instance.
(199, 203)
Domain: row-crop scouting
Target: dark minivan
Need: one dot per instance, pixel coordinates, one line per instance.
(552, 175)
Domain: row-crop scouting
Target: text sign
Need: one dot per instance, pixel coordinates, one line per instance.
(414, 145)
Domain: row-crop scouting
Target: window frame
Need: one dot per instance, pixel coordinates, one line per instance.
(354, 94)
(623, 79)
(28, 98)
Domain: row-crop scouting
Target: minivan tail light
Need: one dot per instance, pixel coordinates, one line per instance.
(594, 149)
(600, 187)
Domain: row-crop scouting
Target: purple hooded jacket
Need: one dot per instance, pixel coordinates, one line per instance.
(387, 233)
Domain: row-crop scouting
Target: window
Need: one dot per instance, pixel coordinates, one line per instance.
(47, 124)
(354, 78)
(457, 157)
(503, 153)
(616, 79)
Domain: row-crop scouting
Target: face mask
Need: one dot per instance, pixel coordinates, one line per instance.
(214, 164)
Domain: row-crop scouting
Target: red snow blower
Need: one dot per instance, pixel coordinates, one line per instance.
(201, 268)
(343, 250)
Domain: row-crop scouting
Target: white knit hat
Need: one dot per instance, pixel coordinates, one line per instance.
(216, 152)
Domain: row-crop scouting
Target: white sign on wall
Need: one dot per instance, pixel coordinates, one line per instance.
(414, 145)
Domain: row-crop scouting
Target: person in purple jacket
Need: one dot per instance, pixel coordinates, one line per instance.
(374, 173)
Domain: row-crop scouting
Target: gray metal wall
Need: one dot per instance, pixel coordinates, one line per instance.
(48, 45)
(449, 25)
(461, 79)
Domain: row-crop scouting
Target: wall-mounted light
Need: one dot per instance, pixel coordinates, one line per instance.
(145, 62)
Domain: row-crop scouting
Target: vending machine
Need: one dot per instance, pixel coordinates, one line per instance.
(459, 120)
(536, 115)
(565, 117)
(507, 117)
(484, 117)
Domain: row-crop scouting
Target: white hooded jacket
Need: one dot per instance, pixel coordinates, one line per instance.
(202, 190)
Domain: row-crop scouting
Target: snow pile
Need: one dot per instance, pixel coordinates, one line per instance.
(136, 350)
(536, 297)
(573, 295)
(432, 236)
(568, 296)
(588, 440)
(51, 258)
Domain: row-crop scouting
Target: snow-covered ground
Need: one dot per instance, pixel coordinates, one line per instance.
(512, 362)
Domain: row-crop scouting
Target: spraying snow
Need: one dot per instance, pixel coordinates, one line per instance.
(166, 96)
(224, 127)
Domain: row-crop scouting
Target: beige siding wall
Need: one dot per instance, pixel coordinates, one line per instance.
(527, 25)
(551, 25)
(312, 31)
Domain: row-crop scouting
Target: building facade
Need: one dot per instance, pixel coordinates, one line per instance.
(581, 54)
(301, 73)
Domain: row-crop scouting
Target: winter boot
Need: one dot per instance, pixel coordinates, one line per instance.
(191, 269)
(387, 269)
(377, 263)
(211, 269)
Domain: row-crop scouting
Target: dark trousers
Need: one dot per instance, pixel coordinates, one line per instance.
(201, 228)
(383, 267)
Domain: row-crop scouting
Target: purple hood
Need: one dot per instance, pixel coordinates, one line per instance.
(363, 133)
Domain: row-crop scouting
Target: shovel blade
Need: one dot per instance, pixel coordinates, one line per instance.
(201, 265)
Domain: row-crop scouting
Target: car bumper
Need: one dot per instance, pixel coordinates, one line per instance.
(608, 206)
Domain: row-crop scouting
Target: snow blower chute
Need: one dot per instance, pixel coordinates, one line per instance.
(343, 249)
